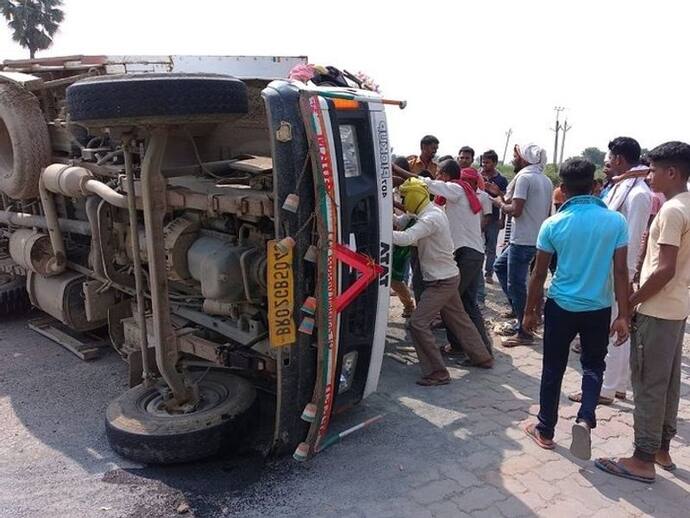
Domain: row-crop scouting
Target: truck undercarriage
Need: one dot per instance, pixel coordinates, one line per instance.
(160, 206)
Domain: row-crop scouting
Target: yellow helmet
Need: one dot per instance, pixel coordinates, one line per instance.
(415, 195)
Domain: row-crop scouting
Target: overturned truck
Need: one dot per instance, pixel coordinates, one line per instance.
(230, 229)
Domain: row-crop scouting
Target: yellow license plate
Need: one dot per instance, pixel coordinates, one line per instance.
(281, 291)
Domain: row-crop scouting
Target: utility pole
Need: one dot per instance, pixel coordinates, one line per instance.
(565, 128)
(558, 110)
(505, 149)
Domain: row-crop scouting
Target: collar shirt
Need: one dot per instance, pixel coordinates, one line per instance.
(465, 225)
(431, 235)
(633, 199)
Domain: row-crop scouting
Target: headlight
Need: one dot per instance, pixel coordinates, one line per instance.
(348, 139)
(347, 373)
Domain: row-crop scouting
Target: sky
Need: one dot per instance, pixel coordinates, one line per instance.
(468, 70)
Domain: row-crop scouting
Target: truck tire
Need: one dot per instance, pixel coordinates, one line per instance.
(24, 142)
(13, 295)
(139, 429)
(155, 98)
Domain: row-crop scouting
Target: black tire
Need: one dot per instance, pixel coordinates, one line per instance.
(138, 430)
(155, 98)
(24, 142)
(13, 295)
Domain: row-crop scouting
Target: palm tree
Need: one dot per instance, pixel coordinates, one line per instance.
(33, 22)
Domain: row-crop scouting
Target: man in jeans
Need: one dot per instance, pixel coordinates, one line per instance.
(529, 207)
(579, 299)
(629, 195)
(431, 235)
(492, 178)
(663, 306)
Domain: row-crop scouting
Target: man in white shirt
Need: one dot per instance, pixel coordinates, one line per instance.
(464, 211)
(431, 234)
(632, 197)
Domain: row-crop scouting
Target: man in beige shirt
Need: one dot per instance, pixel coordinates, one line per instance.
(431, 235)
(663, 305)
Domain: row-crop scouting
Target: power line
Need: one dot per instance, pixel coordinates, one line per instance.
(558, 110)
(505, 149)
(565, 127)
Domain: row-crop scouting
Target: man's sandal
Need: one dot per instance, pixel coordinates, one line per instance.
(533, 433)
(488, 364)
(667, 467)
(614, 467)
(515, 341)
(603, 400)
(447, 350)
(433, 381)
(581, 445)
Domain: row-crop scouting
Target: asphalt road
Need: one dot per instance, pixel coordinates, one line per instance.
(55, 459)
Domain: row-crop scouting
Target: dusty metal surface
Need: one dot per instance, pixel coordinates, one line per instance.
(153, 197)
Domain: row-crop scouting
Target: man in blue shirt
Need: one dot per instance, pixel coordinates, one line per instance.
(589, 239)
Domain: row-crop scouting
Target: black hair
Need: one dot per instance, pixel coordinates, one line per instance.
(577, 175)
(426, 174)
(674, 153)
(427, 140)
(451, 168)
(467, 149)
(490, 155)
(626, 147)
(402, 163)
(444, 158)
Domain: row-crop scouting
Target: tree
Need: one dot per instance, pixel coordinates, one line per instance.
(594, 155)
(33, 22)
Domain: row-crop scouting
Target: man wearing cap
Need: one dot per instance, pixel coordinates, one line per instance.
(431, 234)
(529, 207)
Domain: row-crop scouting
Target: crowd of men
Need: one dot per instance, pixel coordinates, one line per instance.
(617, 248)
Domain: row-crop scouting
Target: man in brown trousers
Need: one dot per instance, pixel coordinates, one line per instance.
(431, 235)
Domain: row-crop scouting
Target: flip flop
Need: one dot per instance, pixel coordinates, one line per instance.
(447, 350)
(667, 467)
(516, 341)
(533, 433)
(614, 467)
(432, 382)
(577, 397)
(581, 446)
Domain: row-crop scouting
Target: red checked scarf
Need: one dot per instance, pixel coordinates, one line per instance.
(475, 204)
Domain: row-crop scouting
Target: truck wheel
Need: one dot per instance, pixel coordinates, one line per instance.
(13, 295)
(24, 142)
(151, 98)
(139, 428)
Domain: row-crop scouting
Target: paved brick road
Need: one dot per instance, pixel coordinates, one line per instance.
(486, 466)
